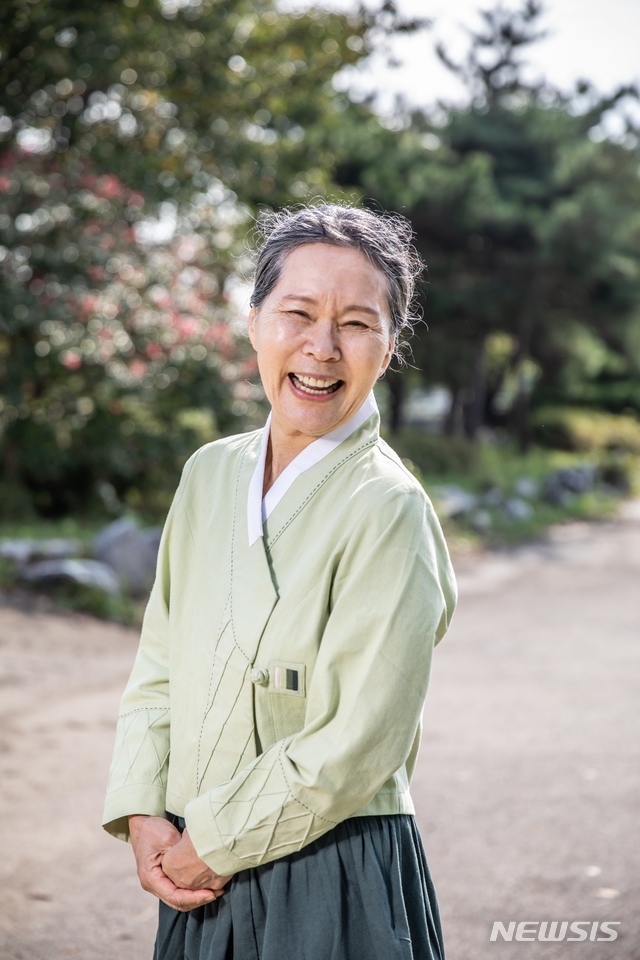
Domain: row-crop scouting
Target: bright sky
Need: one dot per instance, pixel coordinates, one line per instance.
(596, 40)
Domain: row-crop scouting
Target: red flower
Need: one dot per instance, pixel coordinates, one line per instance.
(108, 186)
(153, 350)
(71, 360)
(137, 368)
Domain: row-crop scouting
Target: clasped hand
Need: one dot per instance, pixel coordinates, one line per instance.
(169, 867)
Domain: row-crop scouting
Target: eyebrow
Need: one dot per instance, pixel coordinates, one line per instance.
(353, 307)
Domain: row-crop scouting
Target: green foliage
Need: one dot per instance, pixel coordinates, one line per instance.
(527, 215)
(74, 597)
(587, 431)
(506, 531)
(492, 472)
(479, 466)
(611, 441)
(133, 146)
(71, 527)
(7, 574)
(176, 92)
(435, 455)
(617, 394)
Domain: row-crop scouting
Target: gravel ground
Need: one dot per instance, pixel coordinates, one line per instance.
(527, 790)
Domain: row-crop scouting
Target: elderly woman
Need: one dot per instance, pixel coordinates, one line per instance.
(271, 724)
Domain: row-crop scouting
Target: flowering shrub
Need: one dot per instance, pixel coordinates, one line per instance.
(107, 337)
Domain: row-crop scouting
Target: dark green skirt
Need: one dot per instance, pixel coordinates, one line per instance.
(361, 892)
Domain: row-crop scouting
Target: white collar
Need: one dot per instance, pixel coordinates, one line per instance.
(258, 509)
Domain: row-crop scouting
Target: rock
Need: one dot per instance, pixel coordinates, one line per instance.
(527, 487)
(517, 509)
(561, 484)
(454, 501)
(17, 551)
(555, 492)
(21, 551)
(494, 497)
(131, 552)
(89, 573)
(481, 519)
(578, 479)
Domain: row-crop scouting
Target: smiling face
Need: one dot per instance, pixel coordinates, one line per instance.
(323, 337)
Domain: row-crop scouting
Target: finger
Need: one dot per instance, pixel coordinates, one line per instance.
(219, 885)
(190, 899)
(181, 899)
(162, 887)
(188, 876)
(158, 883)
(213, 882)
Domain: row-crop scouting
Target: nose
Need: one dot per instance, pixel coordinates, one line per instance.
(322, 341)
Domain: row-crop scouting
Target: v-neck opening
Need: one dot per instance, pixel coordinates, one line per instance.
(259, 508)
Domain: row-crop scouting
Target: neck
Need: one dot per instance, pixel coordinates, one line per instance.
(282, 450)
(284, 444)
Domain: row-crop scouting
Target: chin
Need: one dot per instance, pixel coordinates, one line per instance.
(316, 423)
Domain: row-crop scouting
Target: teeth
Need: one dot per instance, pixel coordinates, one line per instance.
(315, 386)
(313, 382)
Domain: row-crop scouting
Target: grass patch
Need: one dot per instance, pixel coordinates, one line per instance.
(65, 595)
(66, 528)
(69, 597)
(486, 469)
(481, 469)
(72, 597)
(510, 531)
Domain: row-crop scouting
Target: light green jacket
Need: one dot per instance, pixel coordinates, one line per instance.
(278, 688)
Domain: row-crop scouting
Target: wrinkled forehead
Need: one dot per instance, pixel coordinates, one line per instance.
(333, 269)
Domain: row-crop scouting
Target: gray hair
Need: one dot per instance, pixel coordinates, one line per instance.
(385, 238)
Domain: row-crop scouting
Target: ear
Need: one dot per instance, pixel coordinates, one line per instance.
(387, 357)
(251, 326)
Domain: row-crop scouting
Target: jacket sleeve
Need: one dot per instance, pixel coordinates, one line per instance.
(392, 599)
(138, 776)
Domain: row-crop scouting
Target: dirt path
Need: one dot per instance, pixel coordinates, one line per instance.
(527, 791)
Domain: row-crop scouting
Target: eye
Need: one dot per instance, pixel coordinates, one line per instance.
(357, 323)
(298, 313)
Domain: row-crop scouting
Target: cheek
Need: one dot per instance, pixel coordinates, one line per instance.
(379, 352)
(272, 333)
(272, 352)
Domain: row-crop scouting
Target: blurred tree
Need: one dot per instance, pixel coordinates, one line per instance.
(174, 91)
(135, 139)
(528, 216)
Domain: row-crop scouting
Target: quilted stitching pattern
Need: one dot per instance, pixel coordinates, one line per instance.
(258, 816)
(143, 748)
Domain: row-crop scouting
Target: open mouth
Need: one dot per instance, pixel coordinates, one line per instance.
(315, 386)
